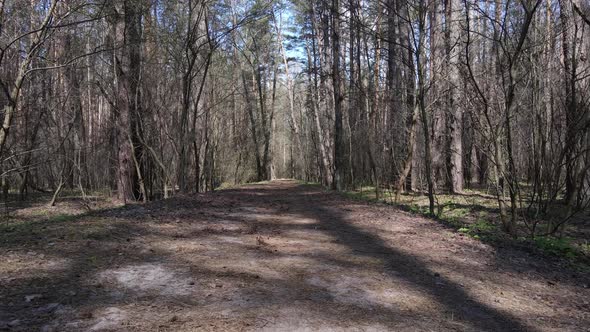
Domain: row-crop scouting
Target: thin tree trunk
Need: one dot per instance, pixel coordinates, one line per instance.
(339, 159)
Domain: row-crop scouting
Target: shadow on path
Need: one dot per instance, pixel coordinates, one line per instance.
(236, 214)
(311, 202)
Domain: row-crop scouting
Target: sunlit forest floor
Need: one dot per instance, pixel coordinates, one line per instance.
(277, 256)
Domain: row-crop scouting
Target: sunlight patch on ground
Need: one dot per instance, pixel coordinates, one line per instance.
(301, 319)
(369, 293)
(31, 263)
(109, 319)
(148, 279)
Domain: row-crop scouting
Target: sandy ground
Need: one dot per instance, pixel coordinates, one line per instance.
(275, 257)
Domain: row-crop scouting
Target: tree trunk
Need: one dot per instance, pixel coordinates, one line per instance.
(339, 159)
(127, 38)
(454, 109)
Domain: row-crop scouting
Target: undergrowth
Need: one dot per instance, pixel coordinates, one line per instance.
(472, 216)
(562, 247)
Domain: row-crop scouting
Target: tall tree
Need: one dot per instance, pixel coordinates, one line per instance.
(126, 33)
(339, 159)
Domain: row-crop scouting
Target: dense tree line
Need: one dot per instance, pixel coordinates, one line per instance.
(149, 98)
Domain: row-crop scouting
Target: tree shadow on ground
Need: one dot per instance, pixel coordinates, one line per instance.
(410, 268)
(126, 239)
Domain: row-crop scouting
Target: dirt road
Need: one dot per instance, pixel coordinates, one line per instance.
(275, 257)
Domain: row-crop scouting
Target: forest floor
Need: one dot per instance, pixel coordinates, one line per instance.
(274, 256)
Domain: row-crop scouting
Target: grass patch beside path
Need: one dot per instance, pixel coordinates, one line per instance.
(475, 214)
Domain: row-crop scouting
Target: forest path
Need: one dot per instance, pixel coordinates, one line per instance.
(278, 257)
